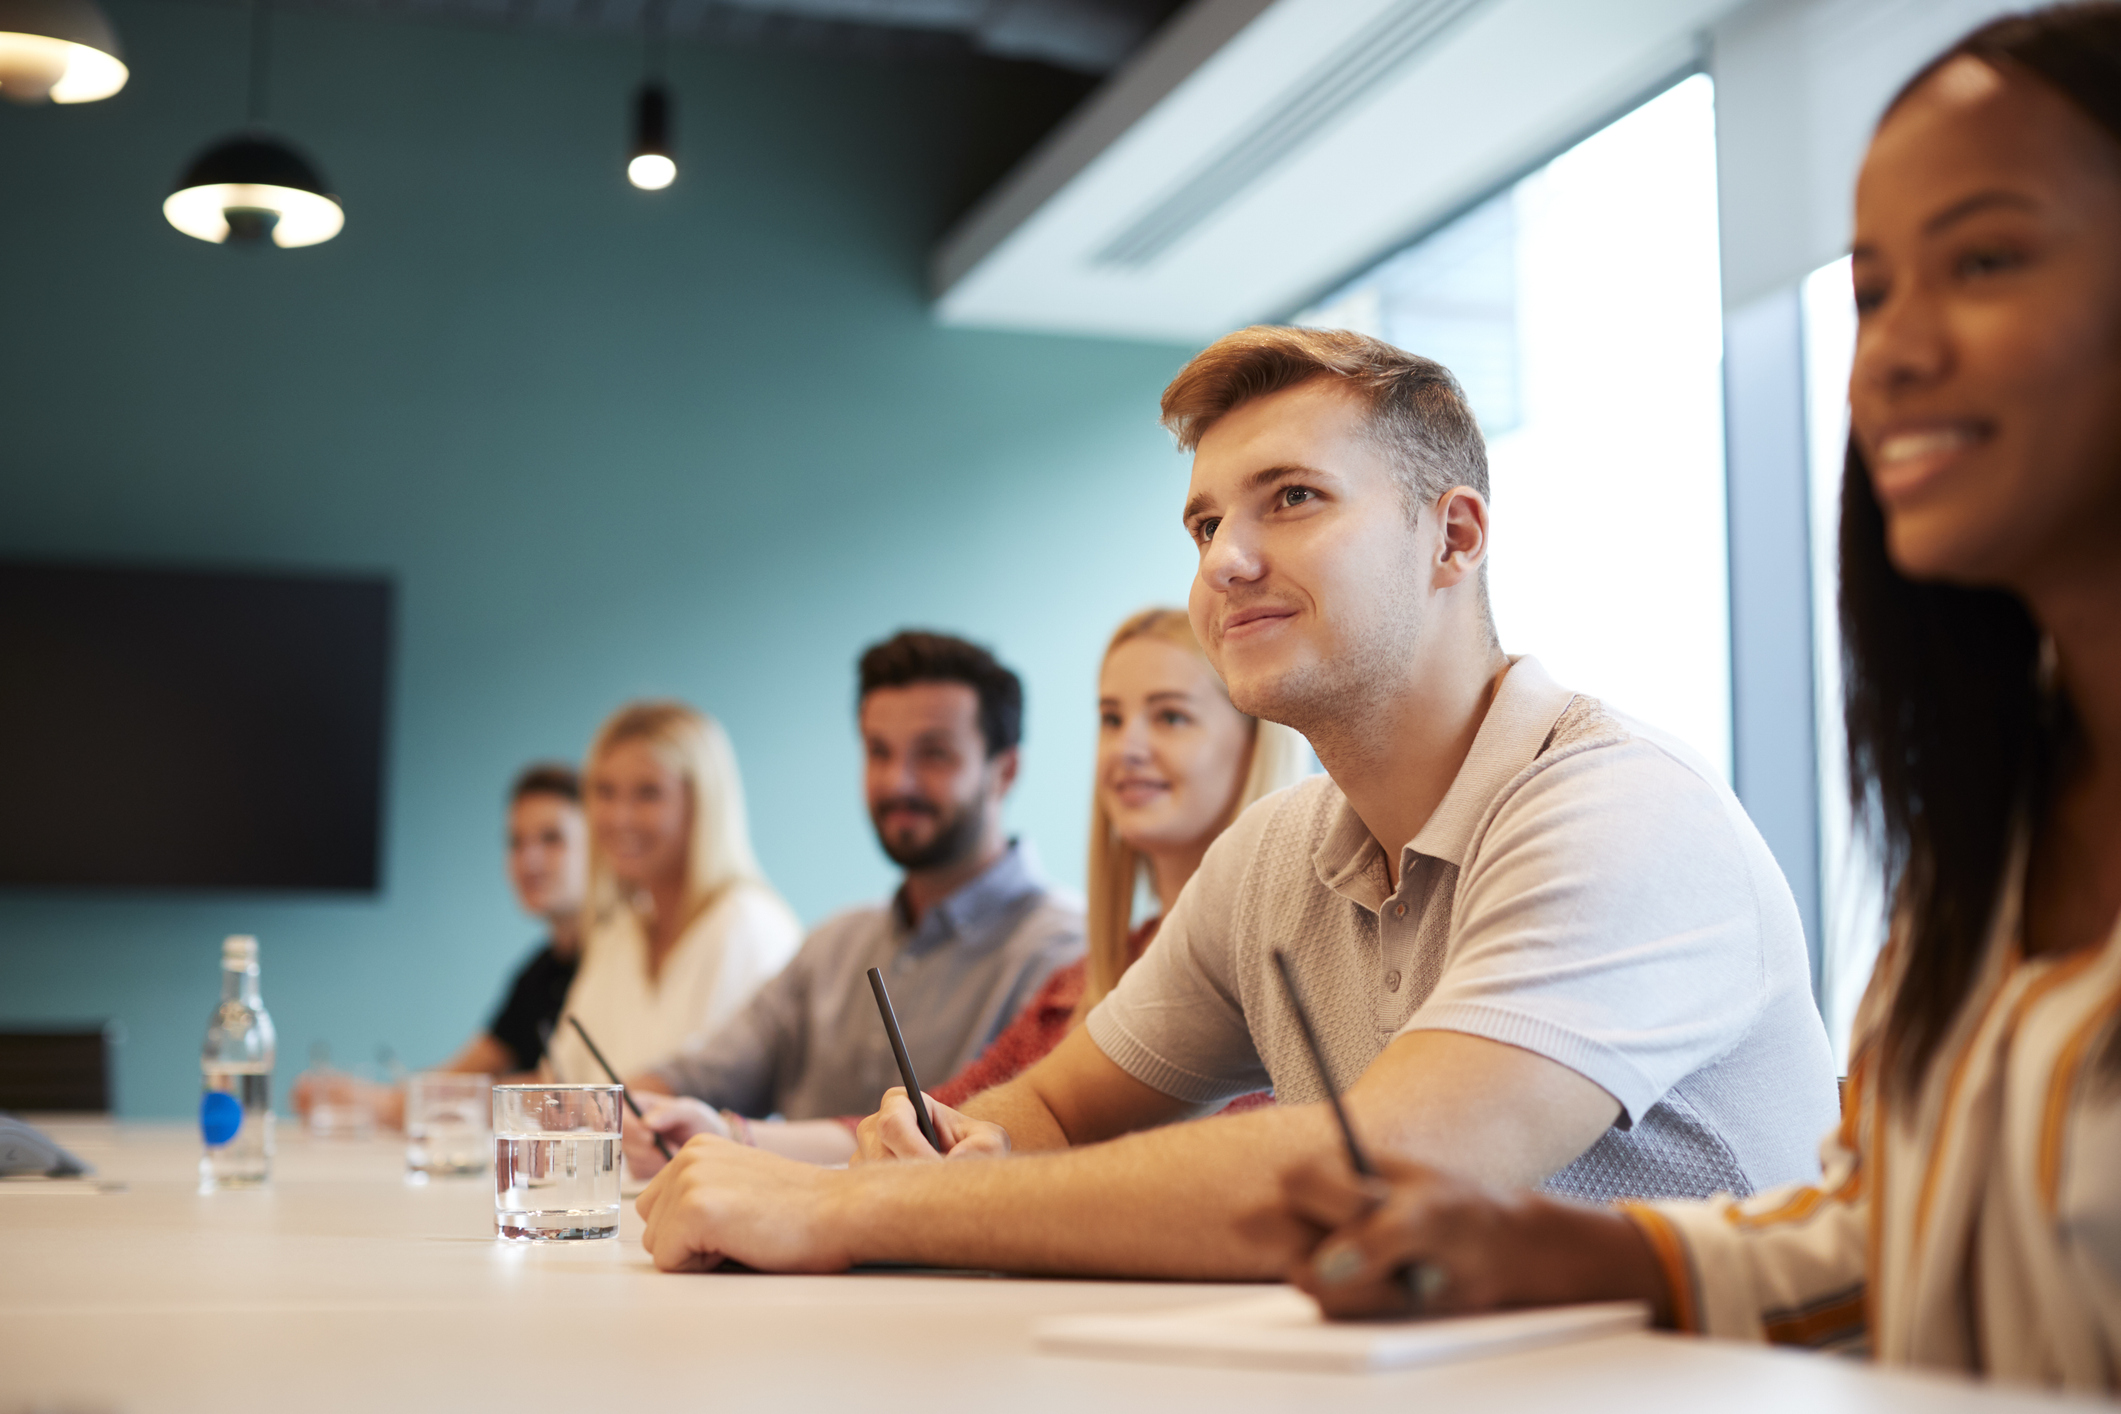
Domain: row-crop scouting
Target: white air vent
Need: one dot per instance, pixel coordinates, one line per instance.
(1257, 151)
(1310, 106)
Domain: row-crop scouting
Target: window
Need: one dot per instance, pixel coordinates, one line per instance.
(1851, 877)
(1581, 310)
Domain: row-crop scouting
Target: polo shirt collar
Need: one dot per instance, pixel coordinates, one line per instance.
(1519, 721)
(971, 911)
(1526, 706)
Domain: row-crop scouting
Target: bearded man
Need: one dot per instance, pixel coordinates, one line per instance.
(971, 934)
(1541, 943)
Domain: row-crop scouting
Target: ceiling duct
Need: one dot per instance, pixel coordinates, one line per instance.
(1310, 106)
(1089, 36)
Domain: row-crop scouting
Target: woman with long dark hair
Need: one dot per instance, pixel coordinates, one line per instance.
(1969, 1215)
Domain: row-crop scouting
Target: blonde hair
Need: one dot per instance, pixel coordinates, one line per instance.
(1277, 757)
(718, 856)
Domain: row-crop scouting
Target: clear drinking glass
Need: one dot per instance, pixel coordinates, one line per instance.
(445, 1123)
(556, 1161)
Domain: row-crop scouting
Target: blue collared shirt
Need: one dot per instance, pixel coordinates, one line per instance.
(811, 1045)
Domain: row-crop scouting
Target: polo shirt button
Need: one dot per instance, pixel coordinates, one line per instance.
(1392, 981)
(1400, 911)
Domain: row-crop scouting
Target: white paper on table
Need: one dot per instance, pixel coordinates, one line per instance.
(1284, 1330)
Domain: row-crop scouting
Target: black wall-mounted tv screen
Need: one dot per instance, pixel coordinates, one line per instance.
(169, 728)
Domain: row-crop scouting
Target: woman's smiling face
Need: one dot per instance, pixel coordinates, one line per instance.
(1171, 750)
(640, 814)
(1986, 396)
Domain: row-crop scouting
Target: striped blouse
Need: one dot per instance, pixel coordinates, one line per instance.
(1975, 1226)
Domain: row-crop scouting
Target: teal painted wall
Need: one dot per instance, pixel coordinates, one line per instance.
(706, 442)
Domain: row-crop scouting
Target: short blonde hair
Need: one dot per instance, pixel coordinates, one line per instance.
(1278, 757)
(1419, 416)
(692, 744)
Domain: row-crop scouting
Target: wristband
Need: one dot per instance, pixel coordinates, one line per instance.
(739, 1128)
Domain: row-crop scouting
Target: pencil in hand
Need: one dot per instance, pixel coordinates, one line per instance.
(1423, 1281)
(905, 1061)
(661, 1145)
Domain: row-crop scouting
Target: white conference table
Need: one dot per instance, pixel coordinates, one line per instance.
(342, 1287)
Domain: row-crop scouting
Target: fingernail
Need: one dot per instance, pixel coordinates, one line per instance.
(1337, 1266)
(1426, 1281)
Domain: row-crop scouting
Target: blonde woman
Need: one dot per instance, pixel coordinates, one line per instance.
(682, 926)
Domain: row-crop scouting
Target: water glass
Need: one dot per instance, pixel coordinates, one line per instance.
(341, 1106)
(445, 1123)
(556, 1161)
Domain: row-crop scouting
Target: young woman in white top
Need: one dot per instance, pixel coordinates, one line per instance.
(1969, 1214)
(682, 926)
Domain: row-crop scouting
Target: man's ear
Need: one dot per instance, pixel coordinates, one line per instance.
(1004, 765)
(1462, 545)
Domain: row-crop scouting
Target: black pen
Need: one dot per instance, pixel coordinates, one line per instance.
(1423, 1280)
(627, 1095)
(905, 1062)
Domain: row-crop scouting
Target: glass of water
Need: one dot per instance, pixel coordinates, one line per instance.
(556, 1161)
(445, 1123)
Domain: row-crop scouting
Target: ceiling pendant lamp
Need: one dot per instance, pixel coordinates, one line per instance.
(252, 188)
(57, 50)
(651, 168)
(651, 165)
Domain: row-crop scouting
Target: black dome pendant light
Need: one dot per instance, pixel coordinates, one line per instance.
(252, 188)
(57, 50)
(652, 165)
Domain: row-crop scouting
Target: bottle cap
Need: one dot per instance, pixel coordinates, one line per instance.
(239, 950)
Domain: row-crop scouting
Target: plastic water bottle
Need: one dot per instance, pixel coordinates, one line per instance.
(235, 1067)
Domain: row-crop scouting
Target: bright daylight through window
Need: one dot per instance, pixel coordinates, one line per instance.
(1582, 311)
(1851, 887)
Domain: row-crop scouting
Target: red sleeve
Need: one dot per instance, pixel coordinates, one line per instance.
(1038, 1028)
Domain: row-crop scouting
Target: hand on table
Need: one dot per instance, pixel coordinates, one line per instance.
(321, 1085)
(676, 1119)
(894, 1133)
(719, 1200)
(1419, 1241)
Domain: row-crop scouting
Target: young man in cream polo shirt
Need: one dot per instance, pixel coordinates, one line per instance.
(1542, 943)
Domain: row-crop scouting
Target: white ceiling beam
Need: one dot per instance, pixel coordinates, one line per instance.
(1256, 153)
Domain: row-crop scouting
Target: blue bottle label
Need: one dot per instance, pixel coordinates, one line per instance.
(220, 1116)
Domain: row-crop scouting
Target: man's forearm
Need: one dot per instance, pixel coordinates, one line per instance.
(1018, 1108)
(1076, 1095)
(1198, 1200)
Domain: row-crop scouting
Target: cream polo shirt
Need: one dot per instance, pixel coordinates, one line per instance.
(1587, 890)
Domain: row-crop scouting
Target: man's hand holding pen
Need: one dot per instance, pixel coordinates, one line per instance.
(894, 1132)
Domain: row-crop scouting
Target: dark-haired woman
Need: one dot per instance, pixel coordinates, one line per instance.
(1969, 1216)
